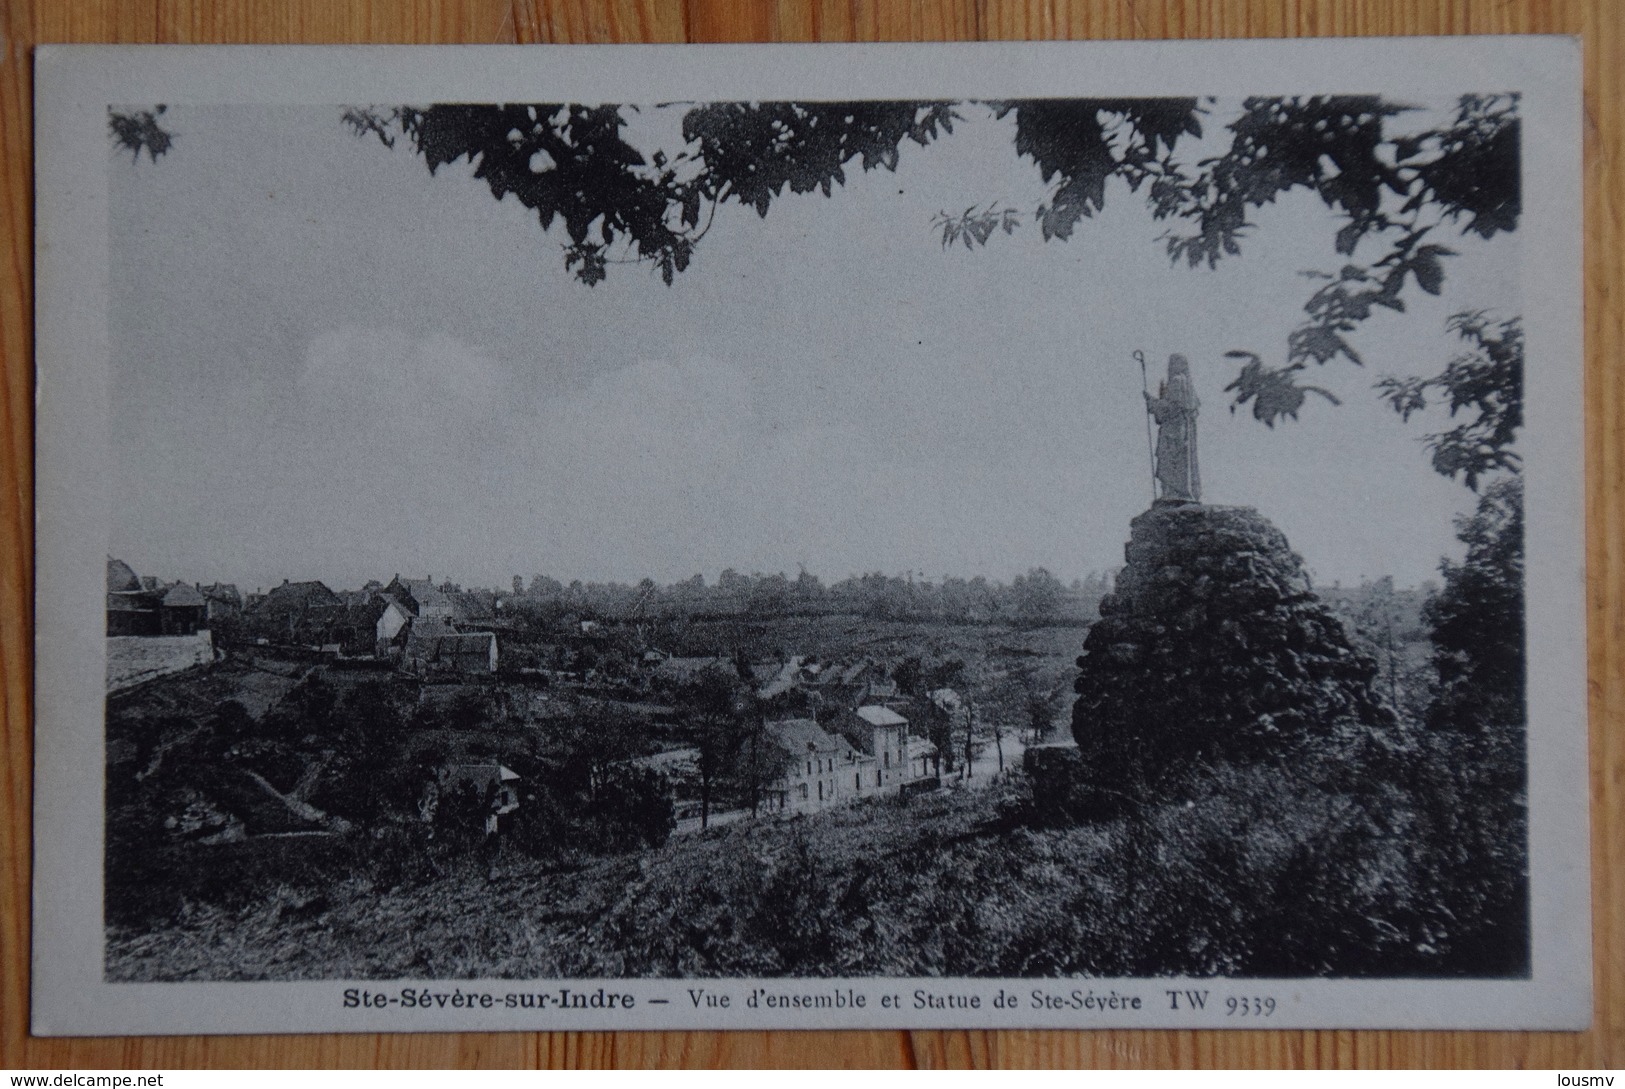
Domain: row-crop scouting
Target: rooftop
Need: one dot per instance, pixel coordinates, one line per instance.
(881, 716)
(801, 735)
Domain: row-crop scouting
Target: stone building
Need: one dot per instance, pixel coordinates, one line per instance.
(815, 763)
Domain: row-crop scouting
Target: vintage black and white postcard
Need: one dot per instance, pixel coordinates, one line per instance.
(1067, 535)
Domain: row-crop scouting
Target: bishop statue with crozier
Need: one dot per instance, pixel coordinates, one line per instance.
(1174, 408)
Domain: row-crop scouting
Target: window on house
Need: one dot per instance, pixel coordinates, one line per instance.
(820, 790)
(877, 778)
(887, 755)
(803, 791)
(857, 781)
(809, 767)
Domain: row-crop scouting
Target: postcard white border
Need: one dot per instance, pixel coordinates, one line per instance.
(75, 84)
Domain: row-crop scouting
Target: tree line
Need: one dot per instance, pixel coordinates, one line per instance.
(1034, 599)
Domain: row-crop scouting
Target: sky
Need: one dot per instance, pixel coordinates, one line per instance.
(329, 364)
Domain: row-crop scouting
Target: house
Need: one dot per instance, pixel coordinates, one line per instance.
(814, 772)
(121, 577)
(131, 608)
(182, 610)
(297, 612)
(222, 601)
(880, 691)
(494, 789)
(434, 648)
(389, 629)
(924, 761)
(131, 614)
(837, 688)
(779, 679)
(880, 733)
(473, 608)
(421, 597)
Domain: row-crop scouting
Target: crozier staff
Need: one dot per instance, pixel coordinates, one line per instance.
(1174, 408)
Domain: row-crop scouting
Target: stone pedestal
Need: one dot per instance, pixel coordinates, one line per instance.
(1212, 644)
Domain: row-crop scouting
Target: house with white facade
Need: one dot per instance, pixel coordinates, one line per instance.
(811, 781)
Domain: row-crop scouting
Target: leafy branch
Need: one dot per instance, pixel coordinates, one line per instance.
(1397, 190)
(974, 227)
(571, 163)
(1274, 392)
(1363, 173)
(1485, 383)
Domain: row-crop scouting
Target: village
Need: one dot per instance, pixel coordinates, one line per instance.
(733, 722)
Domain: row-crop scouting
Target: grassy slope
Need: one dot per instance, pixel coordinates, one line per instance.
(947, 885)
(767, 898)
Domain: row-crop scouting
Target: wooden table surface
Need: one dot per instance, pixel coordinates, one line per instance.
(23, 23)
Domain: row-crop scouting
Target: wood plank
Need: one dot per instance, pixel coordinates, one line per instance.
(25, 23)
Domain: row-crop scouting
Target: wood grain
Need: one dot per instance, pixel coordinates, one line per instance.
(23, 23)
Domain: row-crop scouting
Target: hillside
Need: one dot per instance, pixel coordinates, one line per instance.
(1235, 880)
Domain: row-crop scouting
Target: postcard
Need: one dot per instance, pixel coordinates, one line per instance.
(900, 536)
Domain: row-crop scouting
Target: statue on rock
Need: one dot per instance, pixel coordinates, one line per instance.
(1174, 408)
(1213, 647)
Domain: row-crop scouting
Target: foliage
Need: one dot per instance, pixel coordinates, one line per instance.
(1079, 144)
(753, 151)
(1386, 624)
(571, 163)
(1485, 383)
(365, 780)
(1295, 870)
(593, 741)
(1394, 189)
(459, 815)
(1478, 618)
(231, 721)
(715, 710)
(1029, 698)
(1038, 596)
(1470, 771)
(973, 227)
(1030, 599)
(1274, 393)
(565, 814)
(632, 809)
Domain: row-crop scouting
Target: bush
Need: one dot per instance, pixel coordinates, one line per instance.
(630, 810)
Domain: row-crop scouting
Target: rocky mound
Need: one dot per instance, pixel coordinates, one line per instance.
(1212, 645)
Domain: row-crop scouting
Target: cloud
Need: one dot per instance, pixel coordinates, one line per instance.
(382, 378)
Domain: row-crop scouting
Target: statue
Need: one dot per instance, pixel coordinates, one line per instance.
(1174, 409)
